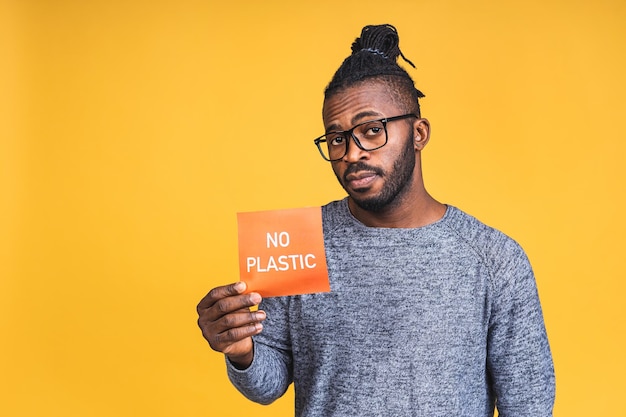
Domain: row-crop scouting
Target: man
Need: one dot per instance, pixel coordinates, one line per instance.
(431, 313)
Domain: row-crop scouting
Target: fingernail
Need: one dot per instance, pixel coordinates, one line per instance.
(255, 298)
(260, 315)
(240, 286)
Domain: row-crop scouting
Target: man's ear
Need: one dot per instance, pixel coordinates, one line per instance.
(421, 133)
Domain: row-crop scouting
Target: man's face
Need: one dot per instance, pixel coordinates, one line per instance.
(375, 180)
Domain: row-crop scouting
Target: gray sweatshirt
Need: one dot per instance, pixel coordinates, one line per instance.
(442, 320)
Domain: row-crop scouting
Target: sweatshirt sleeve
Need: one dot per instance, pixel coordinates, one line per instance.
(270, 373)
(518, 356)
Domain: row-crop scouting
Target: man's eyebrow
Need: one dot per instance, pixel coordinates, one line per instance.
(369, 113)
(355, 120)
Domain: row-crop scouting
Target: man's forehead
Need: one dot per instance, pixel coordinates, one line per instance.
(357, 102)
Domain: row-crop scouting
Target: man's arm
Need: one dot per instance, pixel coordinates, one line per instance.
(519, 357)
(268, 376)
(260, 372)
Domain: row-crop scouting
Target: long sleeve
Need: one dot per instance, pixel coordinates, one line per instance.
(442, 320)
(519, 357)
(270, 373)
(267, 378)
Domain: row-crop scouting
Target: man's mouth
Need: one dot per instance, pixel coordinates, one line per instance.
(361, 179)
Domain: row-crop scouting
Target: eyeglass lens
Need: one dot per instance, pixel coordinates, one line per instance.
(370, 136)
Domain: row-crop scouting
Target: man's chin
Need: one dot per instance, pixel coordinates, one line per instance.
(360, 194)
(372, 204)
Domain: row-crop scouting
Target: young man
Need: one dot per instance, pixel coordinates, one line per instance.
(431, 313)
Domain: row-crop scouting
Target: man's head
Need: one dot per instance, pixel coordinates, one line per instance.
(378, 174)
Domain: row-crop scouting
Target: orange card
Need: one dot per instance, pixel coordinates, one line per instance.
(281, 252)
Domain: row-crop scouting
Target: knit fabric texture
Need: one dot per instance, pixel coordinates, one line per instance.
(441, 320)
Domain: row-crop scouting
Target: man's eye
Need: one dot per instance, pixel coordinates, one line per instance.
(374, 131)
(336, 140)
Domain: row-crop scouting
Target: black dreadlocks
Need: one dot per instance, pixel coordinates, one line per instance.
(374, 55)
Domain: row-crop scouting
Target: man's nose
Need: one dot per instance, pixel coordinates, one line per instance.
(354, 152)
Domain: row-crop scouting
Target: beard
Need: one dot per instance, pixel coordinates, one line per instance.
(395, 182)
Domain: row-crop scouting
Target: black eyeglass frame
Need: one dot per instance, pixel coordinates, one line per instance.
(347, 134)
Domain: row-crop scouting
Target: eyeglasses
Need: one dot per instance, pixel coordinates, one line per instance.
(368, 136)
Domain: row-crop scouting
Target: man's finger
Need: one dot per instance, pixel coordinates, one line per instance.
(222, 341)
(218, 293)
(230, 305)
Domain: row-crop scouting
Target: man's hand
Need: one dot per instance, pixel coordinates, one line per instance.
(227, 323)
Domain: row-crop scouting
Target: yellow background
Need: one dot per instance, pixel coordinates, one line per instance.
(133, 131)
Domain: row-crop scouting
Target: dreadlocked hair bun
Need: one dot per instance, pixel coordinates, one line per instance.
(380, 39)
(374, 55)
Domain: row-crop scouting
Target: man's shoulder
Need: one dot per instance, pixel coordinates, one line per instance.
(336, 205)
(335, 214)
(486, 240)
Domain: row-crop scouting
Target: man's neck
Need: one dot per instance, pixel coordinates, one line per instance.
(413, 211)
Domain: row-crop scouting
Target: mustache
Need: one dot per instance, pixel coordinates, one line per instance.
(361, 166)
